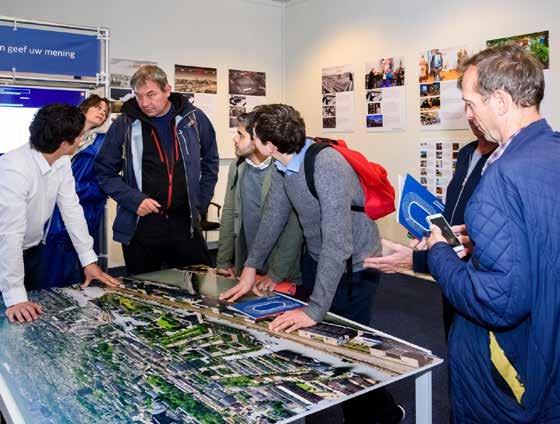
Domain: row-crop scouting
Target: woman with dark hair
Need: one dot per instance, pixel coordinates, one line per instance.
(59, 256)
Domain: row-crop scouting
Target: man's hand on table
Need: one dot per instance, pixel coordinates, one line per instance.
(94, 272)
(291, 321)
(246, 284)
(24, 312)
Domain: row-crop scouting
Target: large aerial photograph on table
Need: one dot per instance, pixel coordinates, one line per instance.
(162, 352)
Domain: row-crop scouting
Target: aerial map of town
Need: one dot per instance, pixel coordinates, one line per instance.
(165, 351)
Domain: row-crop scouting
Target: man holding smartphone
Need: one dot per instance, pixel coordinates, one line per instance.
(447, 232)
(470, 162)
(504, 353)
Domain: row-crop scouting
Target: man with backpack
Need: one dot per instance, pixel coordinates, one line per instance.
(337, 238)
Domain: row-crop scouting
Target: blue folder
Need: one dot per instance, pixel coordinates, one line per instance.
(266, 307)
(416, 203)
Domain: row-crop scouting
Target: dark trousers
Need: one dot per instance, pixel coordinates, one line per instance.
(142, 256)
(33, 267)
(354, 300)
(355, 294)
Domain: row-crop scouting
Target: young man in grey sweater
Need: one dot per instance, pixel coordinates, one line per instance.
(333, 233)
(337, 239)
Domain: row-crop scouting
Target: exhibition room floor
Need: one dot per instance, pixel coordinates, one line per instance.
(409, 308)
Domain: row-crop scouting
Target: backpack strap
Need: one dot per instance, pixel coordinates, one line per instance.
(309, 165)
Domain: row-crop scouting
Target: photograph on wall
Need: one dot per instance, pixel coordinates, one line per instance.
(118, 97)
(200, 86)
(537, 43)
(247, 83)
(385, 94)
(121, 94)
(242, 104)
(438, 159)
(338, 98)
(123, 69)
(196, 79)
(247, 89)
(441, 105)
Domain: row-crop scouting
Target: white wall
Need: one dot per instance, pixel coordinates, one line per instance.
(248, 34)
(225, 34)
(323, 33)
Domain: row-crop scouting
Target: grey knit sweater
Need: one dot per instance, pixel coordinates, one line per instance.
(332, 231)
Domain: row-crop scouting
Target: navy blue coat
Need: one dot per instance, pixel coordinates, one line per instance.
(508, 294)
(459, 191)
(122, 152)
(59, 260)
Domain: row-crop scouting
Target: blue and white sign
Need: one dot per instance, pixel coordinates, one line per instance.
(49, 52)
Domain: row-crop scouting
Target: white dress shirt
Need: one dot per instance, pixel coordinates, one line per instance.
(29, 189)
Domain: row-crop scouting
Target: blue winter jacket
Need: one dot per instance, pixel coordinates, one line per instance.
(59, 260)
(458, 193)
(119, 163)
(504, 346)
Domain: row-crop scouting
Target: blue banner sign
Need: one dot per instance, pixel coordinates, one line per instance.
(49, 52)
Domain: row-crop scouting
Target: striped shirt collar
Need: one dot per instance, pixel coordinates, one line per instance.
(263, 165)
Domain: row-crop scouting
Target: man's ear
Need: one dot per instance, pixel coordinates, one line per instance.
(271, 148)
(503, 102)
(64, 146)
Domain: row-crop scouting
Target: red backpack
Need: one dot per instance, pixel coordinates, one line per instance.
(379, 194)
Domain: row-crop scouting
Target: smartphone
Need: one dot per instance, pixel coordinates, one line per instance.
(439, 221)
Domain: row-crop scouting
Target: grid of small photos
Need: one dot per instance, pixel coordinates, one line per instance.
(430, 104)
(437, 164)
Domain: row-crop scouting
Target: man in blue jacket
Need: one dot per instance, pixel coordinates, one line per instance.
(504, 347)
(167, 153)
(470, 161)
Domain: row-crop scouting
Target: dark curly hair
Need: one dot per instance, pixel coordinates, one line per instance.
(280, 124)
(54, 124)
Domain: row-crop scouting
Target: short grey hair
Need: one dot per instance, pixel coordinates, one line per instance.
(149, 73)
(511, 68)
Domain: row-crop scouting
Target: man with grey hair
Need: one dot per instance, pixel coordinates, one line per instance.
(504, 346)
(159, 162)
